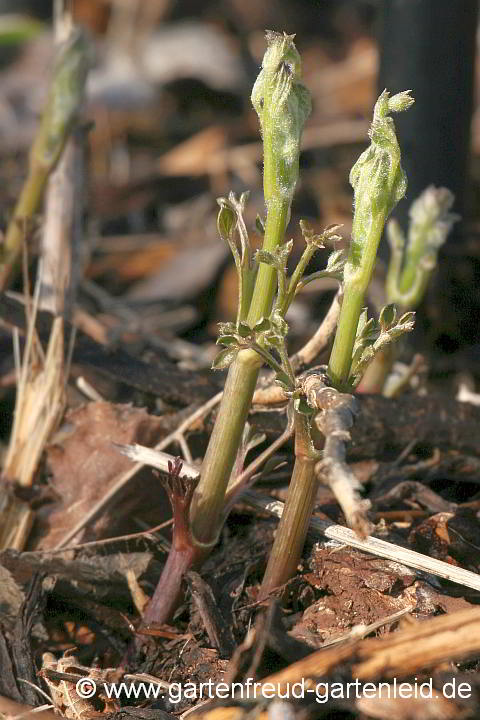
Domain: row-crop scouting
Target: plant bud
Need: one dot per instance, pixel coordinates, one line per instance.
(283, 104)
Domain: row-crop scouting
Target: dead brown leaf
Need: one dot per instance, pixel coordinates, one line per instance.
(86, 465)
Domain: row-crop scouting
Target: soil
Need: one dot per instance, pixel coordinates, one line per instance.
(143, 327)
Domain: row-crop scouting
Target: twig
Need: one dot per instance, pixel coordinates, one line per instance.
(344, 535)
(336, 416)
(108, 541)
(373, 545)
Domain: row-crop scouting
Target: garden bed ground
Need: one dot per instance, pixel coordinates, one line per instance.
(157, 280)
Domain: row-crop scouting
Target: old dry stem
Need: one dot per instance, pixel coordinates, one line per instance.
(375, 546)
(41, 377)
(322, 528)
(336, 417)
(59, 116)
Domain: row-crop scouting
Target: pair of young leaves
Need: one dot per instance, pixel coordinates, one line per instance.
(268, 336)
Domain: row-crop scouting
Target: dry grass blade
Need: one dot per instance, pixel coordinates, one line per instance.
(373, 545)
(39, 406)
(341, 534)
(41, 395)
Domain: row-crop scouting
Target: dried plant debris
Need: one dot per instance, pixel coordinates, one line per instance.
(450, 536)
(357, 590)
(16, 647)
(85, 465)
(11, 597)
(66, 698)
(161, 378)
(98, 576)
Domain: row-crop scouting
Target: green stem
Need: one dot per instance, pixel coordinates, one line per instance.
(266, 282)
(60, 113)
(292, 529)
(297, 275)
(341, 356)
(19, 226)
(357, 279)
(209, 497)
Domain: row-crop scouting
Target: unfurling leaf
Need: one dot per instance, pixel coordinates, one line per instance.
(388, 316)
(326, 238)
(224, 359)
(278, 258)
(266, 257)
(227, 340)
(373, 336)
(412, 262)
(377, 177)
(226, 219)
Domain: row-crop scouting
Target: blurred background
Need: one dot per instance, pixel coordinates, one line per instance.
(171, 128)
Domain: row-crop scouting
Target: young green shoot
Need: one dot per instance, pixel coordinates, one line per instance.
(259, 332)
(283, 105)
(64, 101)
(412, 262)
(379, 183)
